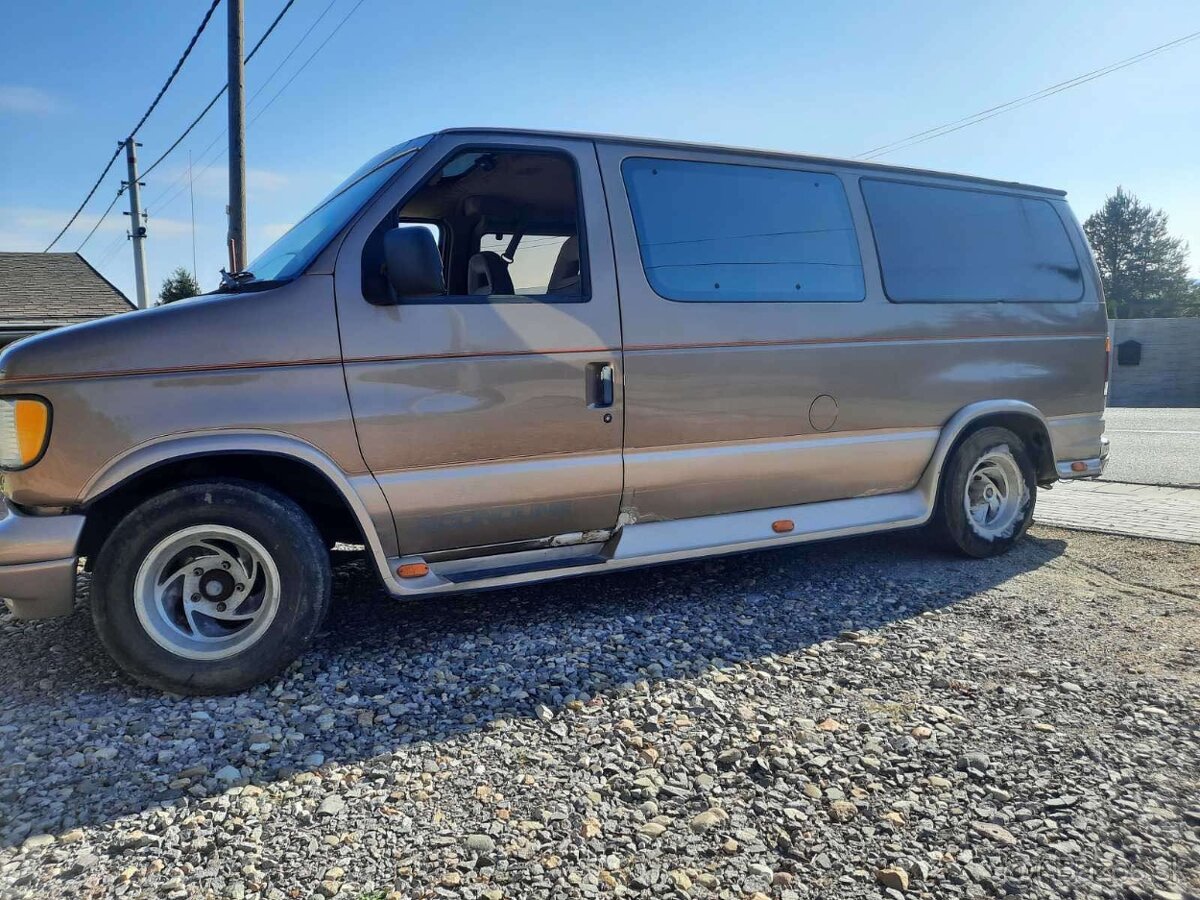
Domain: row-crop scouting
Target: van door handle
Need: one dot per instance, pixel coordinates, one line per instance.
(600, 385)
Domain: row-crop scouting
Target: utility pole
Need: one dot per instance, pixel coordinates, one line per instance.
(237, 139)
(137, 222)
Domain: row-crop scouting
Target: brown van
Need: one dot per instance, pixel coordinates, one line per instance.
(496, 357)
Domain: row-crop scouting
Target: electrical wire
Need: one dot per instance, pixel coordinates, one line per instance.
(312, 56)
(103, 216)
(90, 193)
(179, 65)
(220, 93)
(275, 97)
(178, 140)
(186, 131)
(991, 112)
(155, 203)
(111, 249)
(142, 121)
(295, 47)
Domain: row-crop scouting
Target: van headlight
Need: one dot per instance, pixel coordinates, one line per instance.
(24, 431)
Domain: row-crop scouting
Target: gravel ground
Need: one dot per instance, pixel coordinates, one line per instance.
(859, 719)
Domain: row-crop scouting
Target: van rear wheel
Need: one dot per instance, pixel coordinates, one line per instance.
(211, 587)
(987, 494)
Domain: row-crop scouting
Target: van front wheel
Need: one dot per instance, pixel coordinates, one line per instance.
(211, 587)
(987, 494)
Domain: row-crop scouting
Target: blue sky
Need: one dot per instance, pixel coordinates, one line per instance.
(831, 79)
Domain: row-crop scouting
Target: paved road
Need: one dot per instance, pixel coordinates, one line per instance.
(1153, 446)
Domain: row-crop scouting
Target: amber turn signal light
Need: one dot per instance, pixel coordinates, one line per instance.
(413, 570)
(782, 526)
(24, 430)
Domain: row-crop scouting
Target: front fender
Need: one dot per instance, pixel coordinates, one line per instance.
(362, 493)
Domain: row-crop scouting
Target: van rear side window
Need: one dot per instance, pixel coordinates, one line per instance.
(732, 233)
(953, 245)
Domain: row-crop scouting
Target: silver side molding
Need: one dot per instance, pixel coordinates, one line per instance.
(654, 543)
(734, 532)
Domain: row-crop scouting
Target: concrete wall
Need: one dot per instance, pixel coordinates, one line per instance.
(1169, 372)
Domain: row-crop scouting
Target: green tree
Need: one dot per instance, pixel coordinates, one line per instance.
(178, 286)
(1143, 268)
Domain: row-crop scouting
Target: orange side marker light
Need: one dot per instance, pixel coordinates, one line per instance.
(782, 526)
(413, 570)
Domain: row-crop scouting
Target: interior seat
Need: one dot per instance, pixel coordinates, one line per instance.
(565, 277)
(487, 274)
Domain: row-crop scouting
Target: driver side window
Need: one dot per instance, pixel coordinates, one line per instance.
(506, 224)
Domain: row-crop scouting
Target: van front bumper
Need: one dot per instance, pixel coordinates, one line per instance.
(37, 562)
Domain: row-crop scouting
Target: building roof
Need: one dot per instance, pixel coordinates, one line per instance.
(44, 290)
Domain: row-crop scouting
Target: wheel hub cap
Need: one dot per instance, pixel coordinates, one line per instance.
(995, 497)
(207, 592)
(217, 585)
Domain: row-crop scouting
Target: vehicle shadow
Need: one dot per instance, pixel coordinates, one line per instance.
(386, 674)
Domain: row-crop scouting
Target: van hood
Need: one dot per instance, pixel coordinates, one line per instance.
(290, 324)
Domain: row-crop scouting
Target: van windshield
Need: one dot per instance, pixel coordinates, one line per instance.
(291, 254)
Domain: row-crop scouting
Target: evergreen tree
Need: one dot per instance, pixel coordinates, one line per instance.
(178, 286)
(1143, 268)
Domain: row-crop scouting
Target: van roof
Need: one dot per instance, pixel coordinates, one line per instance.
(750, 151)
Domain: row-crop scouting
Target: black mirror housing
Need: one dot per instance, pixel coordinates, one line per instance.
(414, 265)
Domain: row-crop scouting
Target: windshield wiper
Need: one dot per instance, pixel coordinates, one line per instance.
(234, 280)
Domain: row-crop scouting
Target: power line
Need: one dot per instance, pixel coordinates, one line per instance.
(220, 93)
(275, 97)
(90, 193)
(142, 121)
(186, 131)
(312, 56)
(156, 205)
(285, 86)
(103, 216)
(295, 47)
(111, 249)
(213, 142)
(179, 65)
(991, 112)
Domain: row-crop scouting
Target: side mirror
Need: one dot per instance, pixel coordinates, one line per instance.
(414, 265)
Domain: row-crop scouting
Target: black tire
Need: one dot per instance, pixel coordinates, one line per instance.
(275, 522)
(951, 521)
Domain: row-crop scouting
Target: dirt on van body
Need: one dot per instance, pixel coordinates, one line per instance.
(858, 719)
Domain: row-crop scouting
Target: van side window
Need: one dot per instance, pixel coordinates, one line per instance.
(506, 224)
(734, 233)
(943, 244)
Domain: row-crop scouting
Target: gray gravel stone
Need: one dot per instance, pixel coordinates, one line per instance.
(788, 725)
(331, 806)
